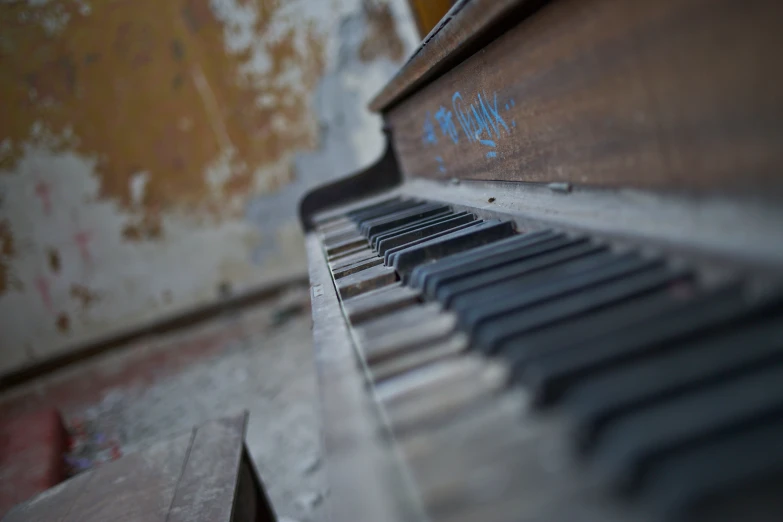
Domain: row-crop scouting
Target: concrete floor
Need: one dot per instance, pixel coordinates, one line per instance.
(258, 359)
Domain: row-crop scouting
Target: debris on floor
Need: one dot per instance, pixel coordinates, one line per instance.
(89, 446)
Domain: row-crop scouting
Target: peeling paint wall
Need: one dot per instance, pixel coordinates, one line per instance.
(152, 153)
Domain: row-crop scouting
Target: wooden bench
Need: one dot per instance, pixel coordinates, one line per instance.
(203, 475)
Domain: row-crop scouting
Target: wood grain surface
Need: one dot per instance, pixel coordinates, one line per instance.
(191, 477)
(207, 487)
(672, 94)
(137, 487)
(365, 480)
(456, 33)
(52, 505)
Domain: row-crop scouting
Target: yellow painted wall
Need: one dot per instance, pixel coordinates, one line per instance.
(428, 13)
(136, 135)
(148, 86)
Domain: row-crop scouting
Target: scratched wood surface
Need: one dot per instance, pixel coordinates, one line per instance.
(207, 487)
(456, 33)
(672, 94)
(191, 477)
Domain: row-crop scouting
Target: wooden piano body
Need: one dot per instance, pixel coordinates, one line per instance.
(557, 295)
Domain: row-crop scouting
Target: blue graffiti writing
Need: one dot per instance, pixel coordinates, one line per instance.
(429, 136)
(479, 119)
(441, 166)
(447, 127)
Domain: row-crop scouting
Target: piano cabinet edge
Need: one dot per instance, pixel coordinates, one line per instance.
(366, 478)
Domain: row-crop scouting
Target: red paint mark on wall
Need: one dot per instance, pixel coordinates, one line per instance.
(82, 240)
(44, 193)
(44, 290)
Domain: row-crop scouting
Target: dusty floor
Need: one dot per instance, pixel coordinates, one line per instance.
(258, 359)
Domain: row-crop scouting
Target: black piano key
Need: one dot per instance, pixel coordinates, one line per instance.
(390, 252)
(601, 398)
(469, 252)
(422, 273)
(374, 239)
(538, 255)
(522, 349)
(386, 210)
(496, 258)
(625, 448)
(378, 225)
(549, 377)
(486, 232)
(432, 220)
(393, 211)
(379, 210)
(330, 220)
(424, 232)
(492, 333)
(604, 267)
(357, 211)
(738, 476)
(398, 219)
(516, 278)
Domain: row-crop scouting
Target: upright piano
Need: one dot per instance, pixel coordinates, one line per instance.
(557, 296)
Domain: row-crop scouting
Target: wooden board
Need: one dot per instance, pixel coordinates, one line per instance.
(191, 477)
(139, 486)
(207, 487)
(671, 94)
(52, 505)
(366, 481)
(449, 42)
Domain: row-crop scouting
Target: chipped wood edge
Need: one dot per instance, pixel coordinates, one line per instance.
(368, 480)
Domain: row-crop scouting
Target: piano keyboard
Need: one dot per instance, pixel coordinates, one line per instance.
(546, 375)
